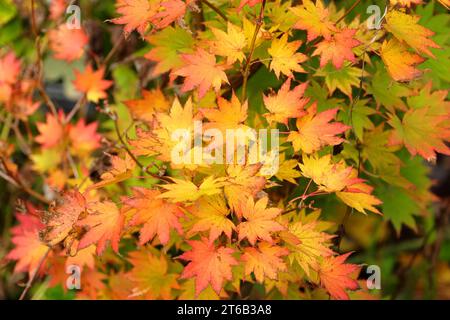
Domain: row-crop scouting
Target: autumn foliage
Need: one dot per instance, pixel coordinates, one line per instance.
(360, 103)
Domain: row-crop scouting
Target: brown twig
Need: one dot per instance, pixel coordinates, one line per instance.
(259, 22)
(215, 9)
(348, 11)
(33, 275)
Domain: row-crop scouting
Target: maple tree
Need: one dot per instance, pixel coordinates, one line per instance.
(92, 118)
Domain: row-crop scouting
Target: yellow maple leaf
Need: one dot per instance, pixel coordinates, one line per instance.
(211, 214)
(400, 63)
(187, 191)
(285, 59)
(229, 44)
(314, 18)
(406, 29)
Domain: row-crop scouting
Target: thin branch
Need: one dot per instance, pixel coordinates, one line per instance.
(33, 275)
(133, 157)
(348, 11)
(215, 9)
(248, 61)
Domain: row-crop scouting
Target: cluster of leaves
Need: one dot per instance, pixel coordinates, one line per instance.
(360, 110)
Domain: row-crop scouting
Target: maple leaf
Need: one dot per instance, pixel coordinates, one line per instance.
(406, 29)
(121, 170)
(285, 59)
(400, 63)
(229, 44)
(84, 257)
(286, 103)
(338, 48)
(186, 191)
(208, 264)
(360, 198)
(250, 3)
(259, 221)
(286, 170)
(145, 109)
(10, 67)
(157, 216)
(343, 79)
(315, 130)
(29, 249)
(159, 142)
(422, 132)
(335, 276)
(230, 114)
(52, 132)
(104, 223)
(315, 19)
(63, 217)
(211, 214)
(57, 9)
(201, 70)
(265, 261)
(67, 44)
(169, 44)
(91, 83)
(84, 137)
(151, 275)
(136, 14)
(242, 183)
(331, 177)
(306, 243)
(173, 10)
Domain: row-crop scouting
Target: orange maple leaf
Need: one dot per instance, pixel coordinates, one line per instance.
(173, 10)
(84, 137)
(208, 264)
(136, 14)
(259, 223)
(265, 261)
(286, 103)
(10, 68)
(315, 19)
(250, 3)
(91, 83)
(243, 183)
(315, 130)
(230, 114)
(157, 216)
(121, 170)
(104, 223)
(67, 44)
(29, 249)
(337, 48)
(201, 70)
(63, 217)
(335, 276)
(51, 132)
(400, 63)
(145, 109)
